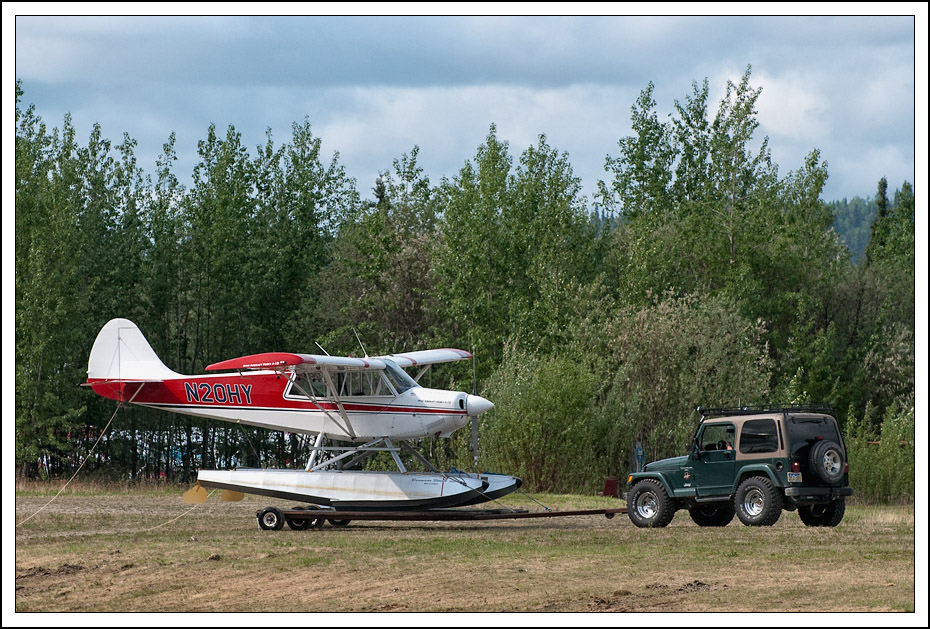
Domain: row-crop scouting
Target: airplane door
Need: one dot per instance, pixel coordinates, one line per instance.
(713, 470)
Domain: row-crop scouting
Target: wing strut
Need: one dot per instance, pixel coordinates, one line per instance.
(342, 410)
(316, 451)
(347, 428)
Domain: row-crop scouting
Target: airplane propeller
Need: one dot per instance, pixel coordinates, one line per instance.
(474, 418)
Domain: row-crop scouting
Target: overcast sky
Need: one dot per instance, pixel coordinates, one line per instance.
(373, 87)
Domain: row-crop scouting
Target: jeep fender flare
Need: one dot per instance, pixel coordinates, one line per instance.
(641, 476)
(758, 470)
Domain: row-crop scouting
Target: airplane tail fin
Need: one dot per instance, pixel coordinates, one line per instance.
(122, 354)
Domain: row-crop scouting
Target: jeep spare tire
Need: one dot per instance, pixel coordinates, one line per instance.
(827, 462)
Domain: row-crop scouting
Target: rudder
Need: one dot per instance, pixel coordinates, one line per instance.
(121, 352)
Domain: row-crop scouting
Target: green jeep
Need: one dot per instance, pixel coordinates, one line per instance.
(751, 462)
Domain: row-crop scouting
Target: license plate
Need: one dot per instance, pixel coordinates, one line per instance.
(794, 477)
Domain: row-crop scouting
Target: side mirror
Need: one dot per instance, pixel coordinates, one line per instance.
(695, 448)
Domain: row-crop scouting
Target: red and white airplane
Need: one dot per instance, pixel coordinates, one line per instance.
(368, 401)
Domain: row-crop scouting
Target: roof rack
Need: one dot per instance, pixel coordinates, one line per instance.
(707, 413)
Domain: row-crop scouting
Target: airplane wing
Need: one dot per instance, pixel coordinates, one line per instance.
(315, 362)
(300, 362)
(427, 357)
(303, 363)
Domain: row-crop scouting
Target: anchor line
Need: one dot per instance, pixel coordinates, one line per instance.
(119, 405)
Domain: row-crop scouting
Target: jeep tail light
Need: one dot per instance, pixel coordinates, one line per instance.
(795, 466)
(846, 468)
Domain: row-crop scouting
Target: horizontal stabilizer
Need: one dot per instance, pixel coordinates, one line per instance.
(121, 381)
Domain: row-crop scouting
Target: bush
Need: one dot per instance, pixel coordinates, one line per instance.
(544, 426)
(881, 459)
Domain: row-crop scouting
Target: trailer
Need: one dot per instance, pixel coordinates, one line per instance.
(314, 516)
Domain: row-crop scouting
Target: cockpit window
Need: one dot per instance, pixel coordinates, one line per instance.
(307, 385)
(361, 383)
(399, 378)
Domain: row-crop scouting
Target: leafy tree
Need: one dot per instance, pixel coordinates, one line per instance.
(316, 197)
(642, 173)
(472, 268)
(49, 289)
(380, 277)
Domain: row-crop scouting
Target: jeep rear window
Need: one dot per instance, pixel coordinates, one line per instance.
(803, 431)
(759, 435)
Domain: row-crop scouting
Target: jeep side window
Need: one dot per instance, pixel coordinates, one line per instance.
(717, 437)
(758, 435)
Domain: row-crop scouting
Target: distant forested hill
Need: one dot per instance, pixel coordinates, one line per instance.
(853, 222)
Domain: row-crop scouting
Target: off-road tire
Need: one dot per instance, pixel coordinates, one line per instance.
(829, 514)
(713, 514)
(271, 519)
(758, 502)
(649, 505)
(827, 462)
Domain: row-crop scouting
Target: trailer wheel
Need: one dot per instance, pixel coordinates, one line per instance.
(340, 523)
(271, 519)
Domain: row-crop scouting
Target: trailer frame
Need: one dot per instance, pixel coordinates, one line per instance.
(313, 516)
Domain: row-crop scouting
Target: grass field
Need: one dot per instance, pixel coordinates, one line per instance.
(122, 550)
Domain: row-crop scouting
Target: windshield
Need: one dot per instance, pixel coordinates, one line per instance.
(398, 377)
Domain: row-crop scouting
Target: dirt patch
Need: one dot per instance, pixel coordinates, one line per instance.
(39, 571)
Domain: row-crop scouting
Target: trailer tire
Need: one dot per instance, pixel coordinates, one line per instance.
(298, 525)
(340, 523)
(270, 519)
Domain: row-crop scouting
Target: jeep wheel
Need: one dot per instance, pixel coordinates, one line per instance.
(826, 461)
(717, 514)
(758, 502)
(649, 505)
(829, 514)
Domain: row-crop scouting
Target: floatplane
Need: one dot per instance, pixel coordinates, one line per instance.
(351, 407)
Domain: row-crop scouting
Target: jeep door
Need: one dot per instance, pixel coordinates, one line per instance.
(715, 461)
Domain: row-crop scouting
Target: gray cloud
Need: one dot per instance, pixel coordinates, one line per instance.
(373, 87)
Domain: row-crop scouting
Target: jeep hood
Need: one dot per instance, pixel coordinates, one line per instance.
(673, 463)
